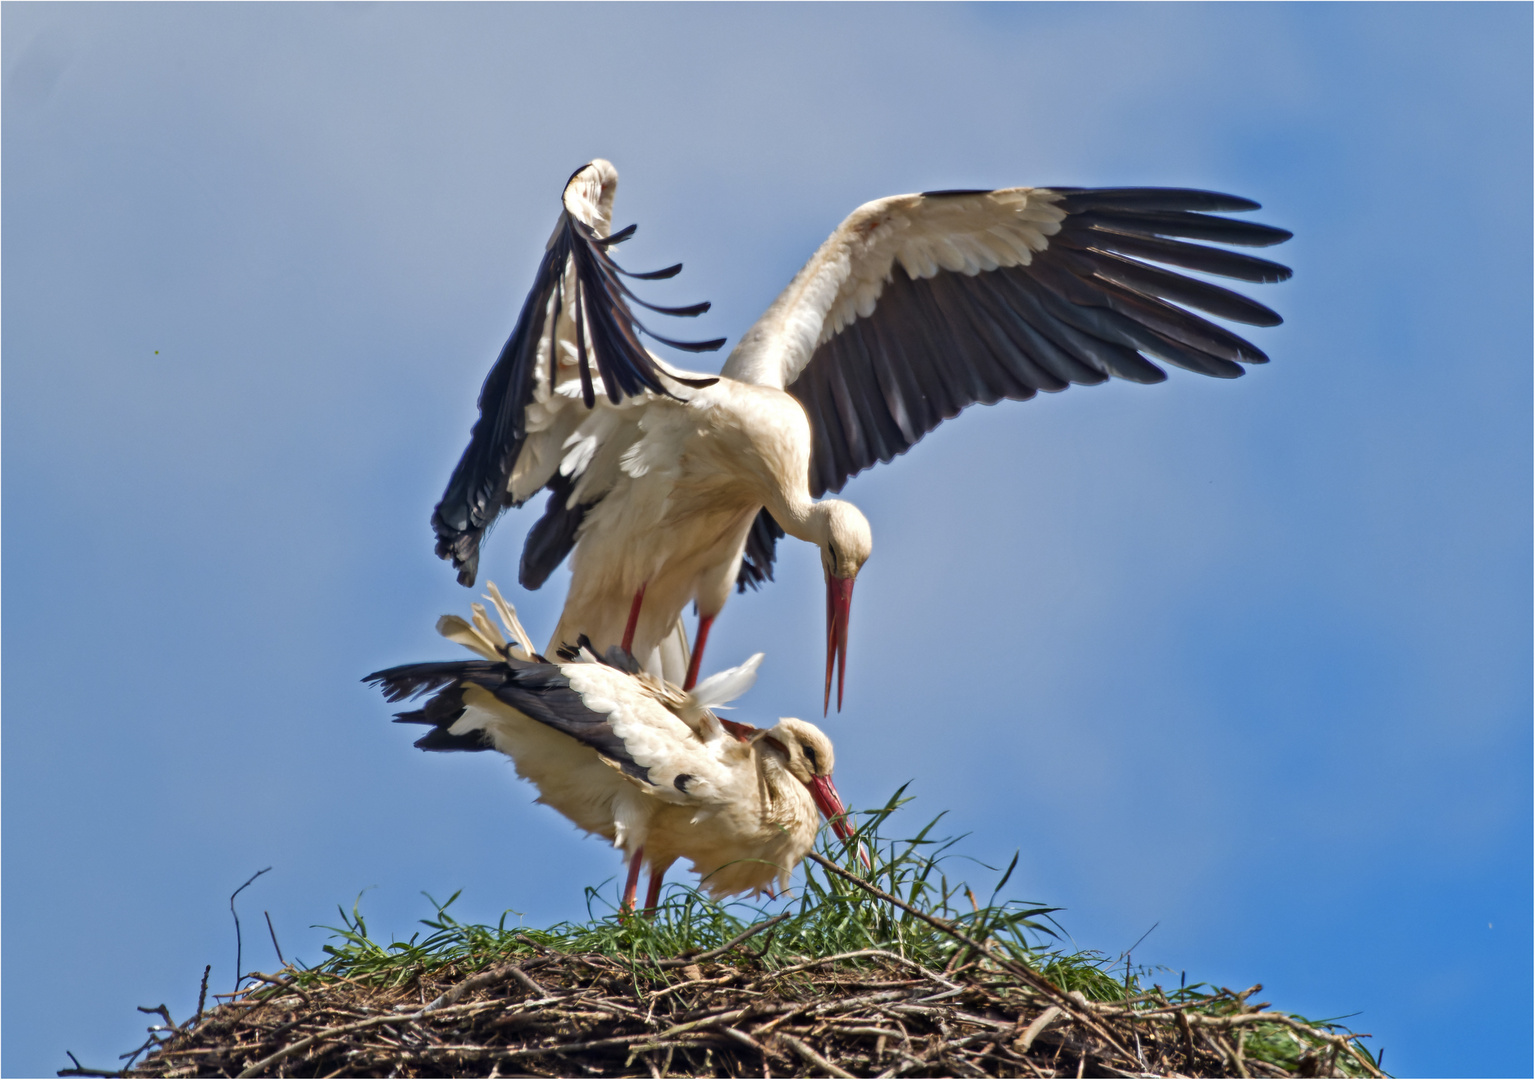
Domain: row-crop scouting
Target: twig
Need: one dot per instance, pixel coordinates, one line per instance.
(239, 944)
(266, 1063)
(744, 1039)
(837, 957)
(81, 1070)
(482, 980)
(161, 1011)
(723, 980)
(202, 994)
(685, 959)
(1033, 978)
(814, 1058)
(283, 984)
(276, 946)
(1030, 1033)
(544, 949)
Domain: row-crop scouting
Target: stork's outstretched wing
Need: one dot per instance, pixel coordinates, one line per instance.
(920, 305)
(576, 339)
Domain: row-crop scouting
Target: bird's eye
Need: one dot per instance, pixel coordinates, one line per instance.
(810, 756)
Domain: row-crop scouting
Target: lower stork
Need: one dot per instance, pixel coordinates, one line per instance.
(631, 758)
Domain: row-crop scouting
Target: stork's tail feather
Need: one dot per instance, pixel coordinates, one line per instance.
(412, 680)
(441, 711)
(724, 686)
(483, 636)
(584, 652)
(441, 739)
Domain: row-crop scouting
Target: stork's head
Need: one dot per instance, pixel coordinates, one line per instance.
(808, 756)
(846, 542)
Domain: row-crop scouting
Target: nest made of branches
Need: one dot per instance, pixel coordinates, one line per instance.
(542, 1012)
(876, 971)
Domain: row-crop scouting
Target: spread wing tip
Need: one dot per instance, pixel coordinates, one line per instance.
(597, 313)
(960, 319)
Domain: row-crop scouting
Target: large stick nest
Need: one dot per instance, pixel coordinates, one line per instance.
(870, 1013)
(858, 982)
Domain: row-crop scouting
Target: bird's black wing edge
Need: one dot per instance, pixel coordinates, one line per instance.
(607, 335)
(1086, 309)
(539, 691)
(761, 552)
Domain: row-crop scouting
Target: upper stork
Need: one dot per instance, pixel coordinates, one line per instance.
(672, 486)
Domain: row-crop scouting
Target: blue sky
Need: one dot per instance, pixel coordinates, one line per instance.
(1247, 661)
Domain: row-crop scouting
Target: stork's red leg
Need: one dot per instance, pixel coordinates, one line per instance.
(632, 885)
(653, 893)
(704, 622)
(634, 619)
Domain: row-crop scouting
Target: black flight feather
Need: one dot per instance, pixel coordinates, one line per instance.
(619, 237)
(654, 275)
(441, 739)
(608, 335)
(615, 657)
(1232, 264)
(1177, 223)
(539, 691)
(1153, 199)
(1085, 308)
(761, 552)
(553, 536)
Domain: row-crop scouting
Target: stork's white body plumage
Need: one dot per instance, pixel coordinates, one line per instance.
(632, 759)
(671, 487)
(743, 821)
(675, 514)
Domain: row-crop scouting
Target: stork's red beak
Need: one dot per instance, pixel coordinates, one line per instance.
(824, 792)
(839, 607)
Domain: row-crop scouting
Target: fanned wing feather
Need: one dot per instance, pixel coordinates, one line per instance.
(761, 552)
(553, 535)
(919, 306)
(539, 691)
(577, 283)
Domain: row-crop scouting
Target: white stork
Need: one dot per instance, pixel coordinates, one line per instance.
(671, 487)
(631, 758)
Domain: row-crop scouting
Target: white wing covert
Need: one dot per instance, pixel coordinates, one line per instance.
(669, 762)
(576, 340)
(918, 306)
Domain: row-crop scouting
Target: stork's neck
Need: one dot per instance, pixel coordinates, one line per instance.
(801, 516)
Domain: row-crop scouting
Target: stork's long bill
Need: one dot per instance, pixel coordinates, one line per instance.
(824, 792)
(839, 607)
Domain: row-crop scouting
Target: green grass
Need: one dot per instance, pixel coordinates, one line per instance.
(829, 916)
